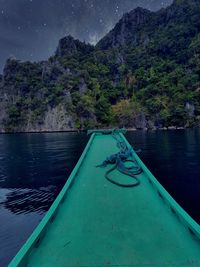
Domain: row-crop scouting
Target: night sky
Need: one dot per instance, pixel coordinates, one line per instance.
(30, 29)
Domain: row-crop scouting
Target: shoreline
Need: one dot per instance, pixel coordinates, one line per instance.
(85, 130)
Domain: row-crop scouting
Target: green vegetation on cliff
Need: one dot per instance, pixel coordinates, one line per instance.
(144, 73)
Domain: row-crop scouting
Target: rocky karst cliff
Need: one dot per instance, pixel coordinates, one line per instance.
(129, 30)
(144, 73)
(68, 46)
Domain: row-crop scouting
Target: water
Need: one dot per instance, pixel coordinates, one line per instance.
(174, 159)
(34, 167)
(33, 170)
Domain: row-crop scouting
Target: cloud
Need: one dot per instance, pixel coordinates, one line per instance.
(94, 38)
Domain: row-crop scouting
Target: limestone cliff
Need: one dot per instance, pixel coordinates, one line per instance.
(145, 71)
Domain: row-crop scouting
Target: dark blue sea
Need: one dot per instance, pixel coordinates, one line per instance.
(34, 168)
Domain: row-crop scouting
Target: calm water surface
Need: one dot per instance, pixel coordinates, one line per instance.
(33, 170)
(174, 159)
(34, 167)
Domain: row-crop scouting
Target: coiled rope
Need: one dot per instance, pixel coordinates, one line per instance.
(119, 159)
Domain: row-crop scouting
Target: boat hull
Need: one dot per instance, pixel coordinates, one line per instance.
(96, 223)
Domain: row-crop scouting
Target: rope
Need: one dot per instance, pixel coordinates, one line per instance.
(119, 159)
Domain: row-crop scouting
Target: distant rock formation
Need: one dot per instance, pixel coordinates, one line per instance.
(149, 59)
(129, 30)
(68, 46)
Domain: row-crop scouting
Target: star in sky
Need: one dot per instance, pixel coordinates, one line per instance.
(31, 29)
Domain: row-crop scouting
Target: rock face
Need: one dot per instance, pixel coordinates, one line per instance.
(82, 87)
(37, 96)
(55, 119)
(68, 46)
(128, 30)
(141, 121)
(140, 26)
(190, 109)
(24, 90)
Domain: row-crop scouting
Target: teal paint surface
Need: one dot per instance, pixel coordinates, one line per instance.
(95, 223)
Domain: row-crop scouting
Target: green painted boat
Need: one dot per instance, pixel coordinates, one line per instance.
(94, 222)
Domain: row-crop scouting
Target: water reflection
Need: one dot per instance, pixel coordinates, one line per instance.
(33, 170)
(29, 200)
(35, 166)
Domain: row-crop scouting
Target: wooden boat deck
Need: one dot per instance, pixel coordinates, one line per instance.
(101, 224)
